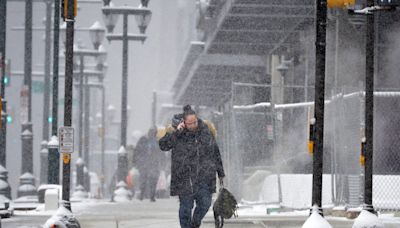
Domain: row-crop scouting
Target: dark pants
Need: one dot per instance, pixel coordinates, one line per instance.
(148, 182)
(203, 203)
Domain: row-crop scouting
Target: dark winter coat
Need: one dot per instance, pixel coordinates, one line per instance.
(147, 157)
(195, 158)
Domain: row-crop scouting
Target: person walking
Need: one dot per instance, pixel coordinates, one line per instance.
(195, 161)
(148, 162)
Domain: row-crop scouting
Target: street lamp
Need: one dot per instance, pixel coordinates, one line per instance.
(110, 20)
(143, 20)
(97, 33)
(145, 2)
(83, 80)
(143, 17)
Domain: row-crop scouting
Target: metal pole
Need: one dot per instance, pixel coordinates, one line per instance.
(46, 98)
(87, 120)
(3, 28)
(122, 158)
(26, 126)
(47, 65)
(3, 31)
(80, 163)
(103, 121)
(56, 44)
(28, 54)
(69, 62)
(320, 54)
(124, 81)
(80, 119)
(275, 151)
(54, 155)
(369, 108)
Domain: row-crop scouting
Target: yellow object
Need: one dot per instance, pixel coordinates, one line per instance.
(310, 147)
(362, 160)
(66, 158)
(340, 3)
(212, 128)
(66, 8)
(161, 132)
(75, 7)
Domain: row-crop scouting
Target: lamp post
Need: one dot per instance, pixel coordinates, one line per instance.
(3, 119)
(83, 80)
(53, 173)
(143, 17)
(26, 98)
(109, 19)
(100, 66)
(46, 98)
(97, 33)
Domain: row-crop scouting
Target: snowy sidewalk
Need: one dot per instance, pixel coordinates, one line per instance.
(164, 214)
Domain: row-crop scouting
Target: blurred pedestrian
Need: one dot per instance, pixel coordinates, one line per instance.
(148, 161)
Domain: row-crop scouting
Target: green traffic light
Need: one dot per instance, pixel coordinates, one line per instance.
(6, 80)
(50, 119)
(9, 119)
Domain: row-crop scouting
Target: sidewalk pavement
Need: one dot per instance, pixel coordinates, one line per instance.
(164, 214)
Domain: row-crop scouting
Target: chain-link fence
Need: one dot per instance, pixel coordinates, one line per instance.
(273, 138)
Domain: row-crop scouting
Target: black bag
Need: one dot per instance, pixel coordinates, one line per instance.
(224, 207)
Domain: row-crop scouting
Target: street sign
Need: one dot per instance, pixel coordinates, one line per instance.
(66, 139)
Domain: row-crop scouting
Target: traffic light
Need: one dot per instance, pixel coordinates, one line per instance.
(362, 154)
(10, 114)
(64, 6)
(50, 119)
(7, 74)
(341, 3)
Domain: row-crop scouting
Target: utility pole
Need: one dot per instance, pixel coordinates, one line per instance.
(320, 55)
(369, 108)
(69, 17)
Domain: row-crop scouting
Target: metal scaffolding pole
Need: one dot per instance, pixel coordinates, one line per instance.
(320, 54)
(369, 108)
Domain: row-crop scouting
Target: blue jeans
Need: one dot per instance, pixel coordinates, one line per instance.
(186, 202)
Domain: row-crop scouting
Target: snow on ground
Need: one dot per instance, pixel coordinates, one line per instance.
(296, 190)
(367, 220)
(316, 221)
